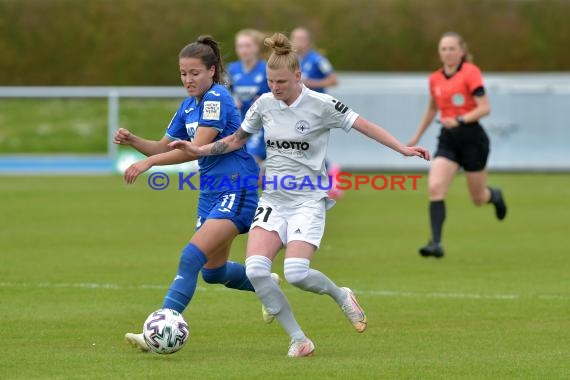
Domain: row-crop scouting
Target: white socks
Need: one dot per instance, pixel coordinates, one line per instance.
(258, 270)
(299, 274)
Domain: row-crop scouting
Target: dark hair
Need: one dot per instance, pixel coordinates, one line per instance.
(468, 57)
(207, 50)
(283, 55)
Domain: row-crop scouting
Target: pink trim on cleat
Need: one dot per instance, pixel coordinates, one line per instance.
(354, 312)
(301, 349)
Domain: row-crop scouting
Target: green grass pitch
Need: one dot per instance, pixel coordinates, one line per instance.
(86, 259)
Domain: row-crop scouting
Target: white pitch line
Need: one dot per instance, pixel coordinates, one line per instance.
(380, 293)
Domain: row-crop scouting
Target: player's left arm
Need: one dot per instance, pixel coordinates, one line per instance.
(482, 109)
(379, 134)
(474, 83)
(226, 145)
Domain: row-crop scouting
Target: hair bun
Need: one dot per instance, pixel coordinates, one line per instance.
(279, 43)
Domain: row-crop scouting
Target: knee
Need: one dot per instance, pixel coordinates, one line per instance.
(257, 267)
(436, 189)
(296, 271)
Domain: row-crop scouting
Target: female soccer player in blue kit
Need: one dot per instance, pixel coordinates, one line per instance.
(317, 71)
(248, 80)
(224, 211)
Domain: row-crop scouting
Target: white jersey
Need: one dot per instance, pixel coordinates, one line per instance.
(296, 139)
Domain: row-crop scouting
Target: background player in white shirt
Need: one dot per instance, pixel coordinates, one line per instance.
(297, 123)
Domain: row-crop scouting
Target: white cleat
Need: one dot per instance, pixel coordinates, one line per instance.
(353, 311)
(267, 317)
(137, 341)
(301, 348)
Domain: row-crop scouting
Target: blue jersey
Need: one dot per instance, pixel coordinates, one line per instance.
(247, 86)
(315, 66)
(216, 110)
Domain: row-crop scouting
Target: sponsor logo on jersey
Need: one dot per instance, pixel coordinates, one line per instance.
(214, 93)
(458, 100)
(211, 110)
(189, 110)
(302, 127)
(296, 145)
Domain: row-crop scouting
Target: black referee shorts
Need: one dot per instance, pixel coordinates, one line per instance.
(467, 144)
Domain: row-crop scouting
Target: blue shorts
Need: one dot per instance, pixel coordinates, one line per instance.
(239, 206)
(256, 145)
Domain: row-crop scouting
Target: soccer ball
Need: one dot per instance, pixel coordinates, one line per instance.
(165, 331)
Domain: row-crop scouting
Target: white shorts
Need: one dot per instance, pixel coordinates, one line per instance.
(304, 222)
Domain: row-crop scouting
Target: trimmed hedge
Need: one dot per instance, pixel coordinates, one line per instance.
(136, 42)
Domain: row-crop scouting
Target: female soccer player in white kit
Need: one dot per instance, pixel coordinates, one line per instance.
(297, 123)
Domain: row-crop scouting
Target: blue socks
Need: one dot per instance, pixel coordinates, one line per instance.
(184, 284)
(231, 274)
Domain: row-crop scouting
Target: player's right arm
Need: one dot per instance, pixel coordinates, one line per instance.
(147, 147)
(250, 125)
(425, 123)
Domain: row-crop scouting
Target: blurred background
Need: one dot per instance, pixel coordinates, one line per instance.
(102, 64)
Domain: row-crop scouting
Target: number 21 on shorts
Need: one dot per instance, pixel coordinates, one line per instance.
(266, 211)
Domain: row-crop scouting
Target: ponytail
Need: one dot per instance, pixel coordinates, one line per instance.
(208, 51)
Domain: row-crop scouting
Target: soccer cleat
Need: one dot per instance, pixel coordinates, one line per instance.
(137, 341)
(499, 203)
(267, 317)
(432, 249)
(334, 192)
(298, 349)
(353, 311)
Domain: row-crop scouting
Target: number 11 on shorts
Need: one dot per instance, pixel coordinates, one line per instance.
(229, 199)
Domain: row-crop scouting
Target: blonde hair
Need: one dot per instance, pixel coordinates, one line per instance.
(283, 55)
(257, 37)
(467, 56)
(254, 34)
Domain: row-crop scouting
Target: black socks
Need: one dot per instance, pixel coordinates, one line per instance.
(437, 217)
